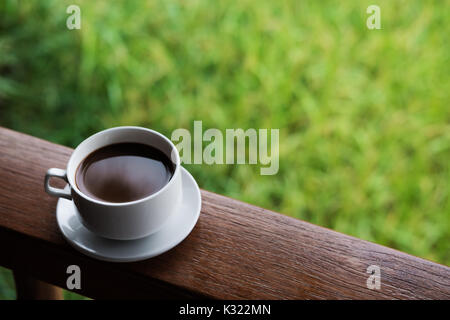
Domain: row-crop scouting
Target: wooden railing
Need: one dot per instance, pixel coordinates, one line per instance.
(236, 250)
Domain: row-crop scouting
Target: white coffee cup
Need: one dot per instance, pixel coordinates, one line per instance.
(126, 220)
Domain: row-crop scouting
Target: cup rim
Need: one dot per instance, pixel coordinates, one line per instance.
(74, 187)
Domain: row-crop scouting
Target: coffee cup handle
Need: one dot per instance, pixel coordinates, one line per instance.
(56, 173)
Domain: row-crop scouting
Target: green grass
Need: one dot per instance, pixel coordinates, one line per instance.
(364, 115)
(7, 289)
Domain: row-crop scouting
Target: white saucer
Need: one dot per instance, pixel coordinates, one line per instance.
(176, 229)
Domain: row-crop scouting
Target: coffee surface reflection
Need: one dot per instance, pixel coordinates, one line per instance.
(123, 172)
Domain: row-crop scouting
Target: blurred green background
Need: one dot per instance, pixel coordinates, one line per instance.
(364, 115)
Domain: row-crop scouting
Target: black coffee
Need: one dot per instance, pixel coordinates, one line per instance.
(123, 172)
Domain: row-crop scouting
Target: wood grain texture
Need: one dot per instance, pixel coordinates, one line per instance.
(236, 250)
